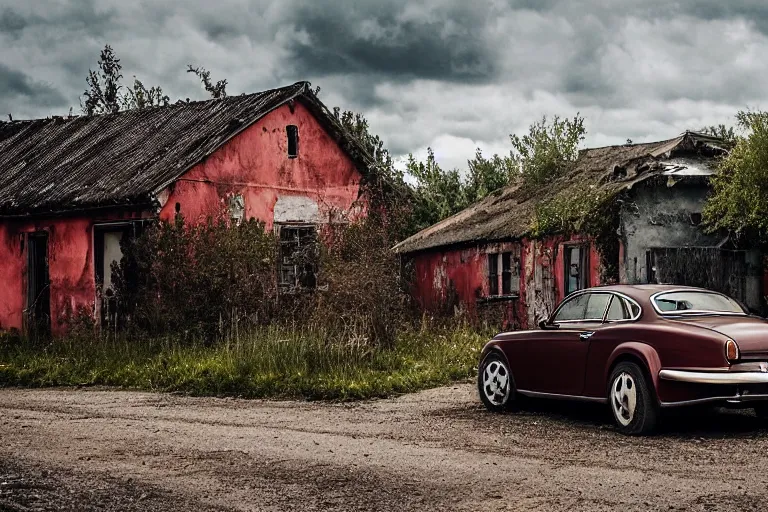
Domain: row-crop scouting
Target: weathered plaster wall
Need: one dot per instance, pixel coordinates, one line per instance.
(661, 217)
(461, 275)
(70, 267)
(319, 182)
(442, 273)
(667, 217)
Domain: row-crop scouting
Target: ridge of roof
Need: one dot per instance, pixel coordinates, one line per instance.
(58, 164)
(508, 213)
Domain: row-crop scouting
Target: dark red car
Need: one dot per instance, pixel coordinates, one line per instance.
(638, 348)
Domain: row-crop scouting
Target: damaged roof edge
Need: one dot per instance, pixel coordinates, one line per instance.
(122, 159)
(509, 215)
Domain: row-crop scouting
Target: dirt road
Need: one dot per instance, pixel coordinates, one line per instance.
(436, 450)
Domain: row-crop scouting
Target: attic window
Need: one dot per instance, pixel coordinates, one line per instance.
(293, 140)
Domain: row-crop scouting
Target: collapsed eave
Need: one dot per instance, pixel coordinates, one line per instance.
(509, 213)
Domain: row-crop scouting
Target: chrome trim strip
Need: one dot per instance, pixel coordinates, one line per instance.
(715, 377)
(538, 394)
(736, 399)
(691, 311)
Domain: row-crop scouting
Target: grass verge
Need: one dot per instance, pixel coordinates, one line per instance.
(273, 362)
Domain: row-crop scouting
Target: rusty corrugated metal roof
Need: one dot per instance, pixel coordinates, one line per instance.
(509, 213)
(60, 164)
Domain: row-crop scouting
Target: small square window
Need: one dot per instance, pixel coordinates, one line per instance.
(293, 140)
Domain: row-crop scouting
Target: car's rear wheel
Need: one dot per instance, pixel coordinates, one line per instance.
(632, 403)
(495, 383)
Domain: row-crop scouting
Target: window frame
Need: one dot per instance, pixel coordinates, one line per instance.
(584, 275)
(297, 285)
(694, 312)
(292, 129)
(498, 278)
(602, 320)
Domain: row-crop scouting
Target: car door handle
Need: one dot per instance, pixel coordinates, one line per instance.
(586, 335)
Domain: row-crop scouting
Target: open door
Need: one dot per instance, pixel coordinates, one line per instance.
(39, 290)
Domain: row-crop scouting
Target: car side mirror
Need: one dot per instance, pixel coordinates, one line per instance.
(544, 324)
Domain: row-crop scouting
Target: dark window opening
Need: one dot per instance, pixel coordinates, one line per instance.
(506, 273)
(503, 274)
(576, 268)
(493, 274)
(108, 243)
(293, 140)
(298, 257)
(38, 282)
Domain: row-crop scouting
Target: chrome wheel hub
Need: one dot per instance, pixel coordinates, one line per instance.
(496, 383)
(624, 398)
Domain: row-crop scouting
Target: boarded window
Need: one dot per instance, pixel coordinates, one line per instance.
(576, 268)
(298, 257)
(293, 140)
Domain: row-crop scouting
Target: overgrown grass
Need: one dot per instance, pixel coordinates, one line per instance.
(269, 362)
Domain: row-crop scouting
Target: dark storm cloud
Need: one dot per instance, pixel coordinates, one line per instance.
(84, 15)
(444, 43)
(453, 74)
(17, 86)
(12, 22)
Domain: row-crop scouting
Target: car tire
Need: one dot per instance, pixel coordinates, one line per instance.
(631, 400)
(495, 383)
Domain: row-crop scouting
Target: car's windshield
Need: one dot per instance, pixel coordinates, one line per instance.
(682, 302)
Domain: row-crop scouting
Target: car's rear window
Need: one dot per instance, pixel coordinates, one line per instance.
(681, 302)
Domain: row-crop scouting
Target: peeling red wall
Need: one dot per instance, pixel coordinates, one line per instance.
(70, 267)
(461, 275)
(254, 163)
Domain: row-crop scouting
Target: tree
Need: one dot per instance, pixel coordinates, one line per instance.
(217, 90)
(438, 193)
(722, 131)
(548, 149)
(103, 93)
(739, 199)
(487, 174)
(140, 97)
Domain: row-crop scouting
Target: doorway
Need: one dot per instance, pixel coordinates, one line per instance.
(38, 282)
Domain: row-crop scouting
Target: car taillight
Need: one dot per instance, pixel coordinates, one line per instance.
(731, 350)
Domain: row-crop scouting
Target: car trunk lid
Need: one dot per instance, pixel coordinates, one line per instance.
(749, 333)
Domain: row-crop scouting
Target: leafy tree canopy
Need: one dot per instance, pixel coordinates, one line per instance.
(106, 93)
(739, 199)
(548, 149)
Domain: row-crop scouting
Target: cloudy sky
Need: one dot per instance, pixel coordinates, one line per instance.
(441, 73)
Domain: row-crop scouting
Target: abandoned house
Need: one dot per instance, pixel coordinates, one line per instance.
(486, 258)
(71, 188)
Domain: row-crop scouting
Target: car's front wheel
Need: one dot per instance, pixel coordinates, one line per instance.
(631, 400)
(495, 383)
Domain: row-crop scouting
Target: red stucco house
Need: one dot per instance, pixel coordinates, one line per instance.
(489, 257)
(70, 188)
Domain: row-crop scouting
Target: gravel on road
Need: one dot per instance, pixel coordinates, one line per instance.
(101, 449)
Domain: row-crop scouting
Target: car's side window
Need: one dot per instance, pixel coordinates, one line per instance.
(596, 306)
(573, 309)
(617, 310)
